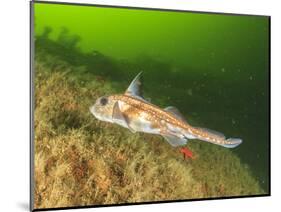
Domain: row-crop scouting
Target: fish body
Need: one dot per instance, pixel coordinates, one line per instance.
(132, 111)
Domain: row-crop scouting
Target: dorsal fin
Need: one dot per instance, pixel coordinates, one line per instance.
(176, 112)
(135, 88)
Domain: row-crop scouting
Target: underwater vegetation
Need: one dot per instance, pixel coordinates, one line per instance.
(82, 161)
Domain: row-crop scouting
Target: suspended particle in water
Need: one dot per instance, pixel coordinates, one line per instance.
(189, 92)
(233, 121)
(168, 85)
(175, 69)
(94, 53)
(194, 114)
(251, 77)
(223, 70)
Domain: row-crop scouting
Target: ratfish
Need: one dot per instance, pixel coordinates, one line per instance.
(132, 111)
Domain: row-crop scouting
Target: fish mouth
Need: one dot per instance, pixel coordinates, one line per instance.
(95, 113)
(92, 110)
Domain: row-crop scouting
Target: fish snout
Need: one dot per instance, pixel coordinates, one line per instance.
(92, 109)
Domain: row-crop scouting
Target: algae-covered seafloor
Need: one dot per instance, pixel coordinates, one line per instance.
(82, 161)
(213, 68)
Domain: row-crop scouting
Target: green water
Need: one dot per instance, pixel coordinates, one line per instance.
(213, 67)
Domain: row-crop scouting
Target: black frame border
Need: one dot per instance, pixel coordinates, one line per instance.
(31, 106)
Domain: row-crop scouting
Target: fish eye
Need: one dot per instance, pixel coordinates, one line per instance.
(103, 101)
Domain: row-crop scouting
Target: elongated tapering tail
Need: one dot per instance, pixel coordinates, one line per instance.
(214, 137)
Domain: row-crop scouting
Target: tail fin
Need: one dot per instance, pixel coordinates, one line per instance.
(232, 142)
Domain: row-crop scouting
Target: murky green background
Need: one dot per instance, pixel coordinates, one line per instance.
(213, 67)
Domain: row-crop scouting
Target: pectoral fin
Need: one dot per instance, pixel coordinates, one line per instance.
(119, 118)
(175, 141)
